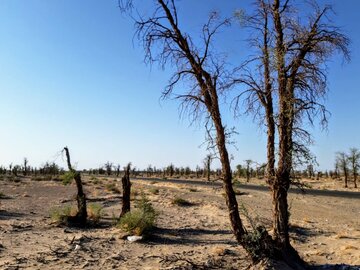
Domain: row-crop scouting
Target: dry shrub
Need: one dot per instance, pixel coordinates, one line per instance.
(113, 188)
(139, 221)
(95, 212)
(181, 202)
(61, 215)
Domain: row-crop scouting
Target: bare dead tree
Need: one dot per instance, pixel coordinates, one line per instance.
(286, 88)
(354, 158)
(259, 96)
(342, 161)
(170, 170)
(164, 42)
(108, 167)
(207, 166)
(26, 167)
(118, 170)
(301, 50)
(310, 171)
(81, 215)
(126, 185)
(247, 171)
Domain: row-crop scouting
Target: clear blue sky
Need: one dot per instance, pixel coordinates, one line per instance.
(71, 75)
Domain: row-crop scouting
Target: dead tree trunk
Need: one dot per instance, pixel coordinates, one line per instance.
(126, 185)
(25, 166)
(248, 173)
(270, 168)
(346, 176)
(81, 215)
(207, 162)
(267, 101)
(282, 179)
(355, 179)
(118, 170)
(207, 86)
(231, 202)
(354, 159)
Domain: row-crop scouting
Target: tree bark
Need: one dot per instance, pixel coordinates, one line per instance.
(270, 168)
(282, 180)
(267, 102)
(81, 215)
(126, 185)
(231, 202)
(81, 200)
(346, 176)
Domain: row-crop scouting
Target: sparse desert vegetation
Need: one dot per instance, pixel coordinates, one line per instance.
(255, 199)
(35, 232)
(182, 218)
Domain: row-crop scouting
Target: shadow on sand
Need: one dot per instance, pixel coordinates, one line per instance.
(301, 234)
(335, 267)
(188, 236)
(5, 215)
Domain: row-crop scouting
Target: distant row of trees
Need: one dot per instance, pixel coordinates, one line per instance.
(348, 164)
(49, 168)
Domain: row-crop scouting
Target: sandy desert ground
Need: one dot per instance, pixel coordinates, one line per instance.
(325, 230)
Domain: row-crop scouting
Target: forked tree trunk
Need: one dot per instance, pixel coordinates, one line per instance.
(81, 215)
(282, 178)
(280, 189)
(126, 185)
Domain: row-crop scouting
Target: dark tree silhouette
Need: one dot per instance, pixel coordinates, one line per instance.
(170, 170)
(118, 170)
(248, 169)
(126, 186)
(207, 166)
(108, 167)
(26, 167)
(259, 83)
(287, 85)
(354, 158)
(301, 50)
(81, 215)
(342, 161)
(10, 168)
